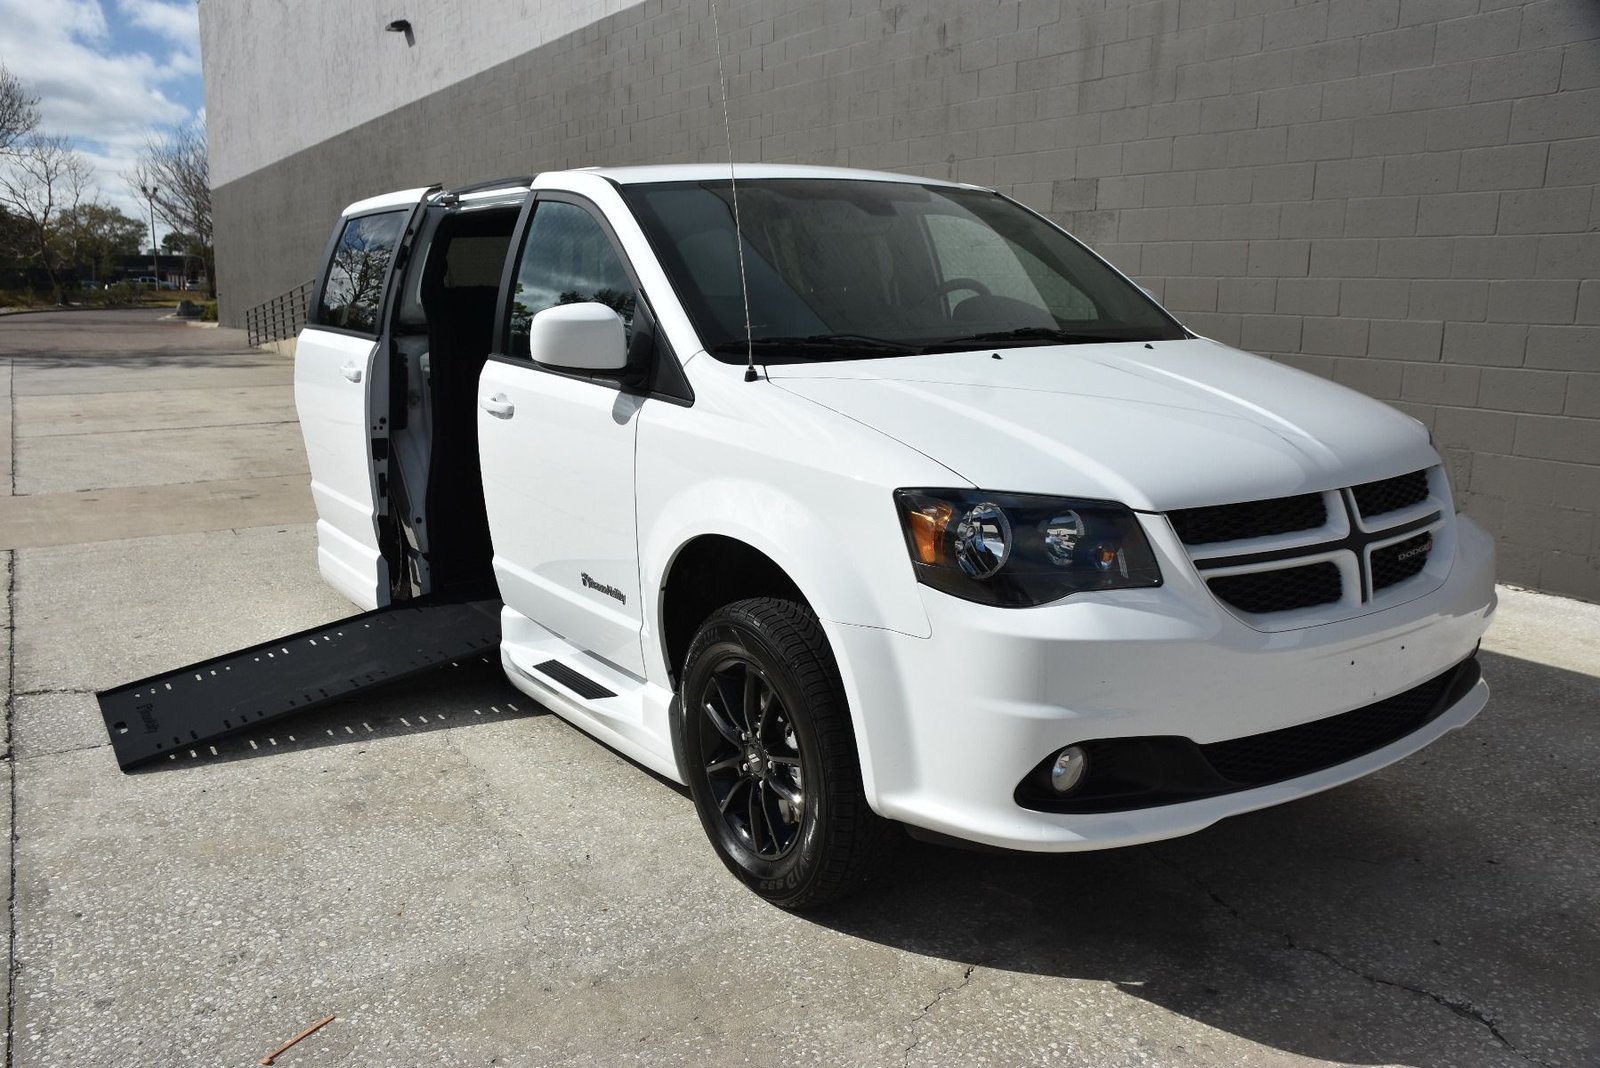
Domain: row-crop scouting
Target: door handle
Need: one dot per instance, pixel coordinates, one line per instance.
(497, 406)
(351, 371)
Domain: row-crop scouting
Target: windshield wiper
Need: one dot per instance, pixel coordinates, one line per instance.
(820, 344)
(1026, 335)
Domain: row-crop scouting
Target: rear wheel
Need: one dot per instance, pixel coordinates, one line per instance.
(770, 756)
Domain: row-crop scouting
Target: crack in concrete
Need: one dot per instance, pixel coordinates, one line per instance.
(1461, 1007)
(477, 792)
(966, 978)
(25, 757)
(11, 836)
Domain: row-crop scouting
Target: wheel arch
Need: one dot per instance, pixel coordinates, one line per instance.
(707, 572)
(857, 580)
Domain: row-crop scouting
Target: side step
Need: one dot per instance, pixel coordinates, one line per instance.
(199, 703)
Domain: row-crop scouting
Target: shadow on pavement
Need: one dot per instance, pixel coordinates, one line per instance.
(1462, 880)
(127, 337)
(1454, 892)
(177, 359)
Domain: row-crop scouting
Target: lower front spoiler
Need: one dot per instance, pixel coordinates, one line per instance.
(1126, 774)
(1049, 832)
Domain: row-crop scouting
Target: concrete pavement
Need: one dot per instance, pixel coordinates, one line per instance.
(464, 879)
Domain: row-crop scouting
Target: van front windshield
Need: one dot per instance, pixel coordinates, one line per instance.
(847, 269)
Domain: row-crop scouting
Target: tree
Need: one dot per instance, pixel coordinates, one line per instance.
(19, 112)
(93, 234)
(174, 165)
(19, 116)
(43, 178)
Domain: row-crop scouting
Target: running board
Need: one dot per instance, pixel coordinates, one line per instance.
(574, 680)
(197, 704)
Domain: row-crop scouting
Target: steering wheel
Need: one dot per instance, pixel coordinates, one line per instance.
(951, 285)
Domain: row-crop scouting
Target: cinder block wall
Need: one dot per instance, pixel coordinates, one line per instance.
(1399, 195)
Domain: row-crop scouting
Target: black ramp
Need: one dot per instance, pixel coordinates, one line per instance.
(196, 704)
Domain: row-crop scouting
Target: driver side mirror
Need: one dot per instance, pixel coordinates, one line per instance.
(585, 336)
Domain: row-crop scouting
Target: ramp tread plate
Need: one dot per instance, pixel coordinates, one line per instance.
(193, 705)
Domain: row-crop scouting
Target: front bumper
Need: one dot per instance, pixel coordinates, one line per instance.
(949, 725)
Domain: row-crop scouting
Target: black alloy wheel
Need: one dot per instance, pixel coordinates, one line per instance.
(766, 746)
(754, 759)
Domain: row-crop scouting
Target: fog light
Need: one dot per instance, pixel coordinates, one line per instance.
(1067, 771)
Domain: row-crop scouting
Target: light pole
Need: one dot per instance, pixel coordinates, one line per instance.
(150, 198)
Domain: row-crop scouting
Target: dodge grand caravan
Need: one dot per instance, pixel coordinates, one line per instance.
(852, 499)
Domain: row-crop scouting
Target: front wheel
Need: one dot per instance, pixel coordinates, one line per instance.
(770, 757)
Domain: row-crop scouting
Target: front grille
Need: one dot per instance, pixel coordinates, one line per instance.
(1281, 590)
(1398, 562)
(1295, 751)
(1240, 554)
(1252, 519)
(1391, 494)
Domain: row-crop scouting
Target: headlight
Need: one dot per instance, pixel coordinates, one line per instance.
(1018, 550)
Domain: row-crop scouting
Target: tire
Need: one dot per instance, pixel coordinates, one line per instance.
(767, 750)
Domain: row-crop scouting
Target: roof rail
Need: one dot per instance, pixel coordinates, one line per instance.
(450, 196)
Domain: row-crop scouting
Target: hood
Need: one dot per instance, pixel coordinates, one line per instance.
(1172, 424)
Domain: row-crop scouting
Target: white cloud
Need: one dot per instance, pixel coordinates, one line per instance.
(105, 97)
(177, 22)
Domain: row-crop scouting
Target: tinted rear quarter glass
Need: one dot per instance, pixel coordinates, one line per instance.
(352, 295)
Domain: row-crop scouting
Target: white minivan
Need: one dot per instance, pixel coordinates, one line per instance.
(852, 499)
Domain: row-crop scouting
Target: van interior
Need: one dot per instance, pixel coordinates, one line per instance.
(437, 535)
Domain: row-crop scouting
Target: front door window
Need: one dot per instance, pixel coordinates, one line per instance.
(567, 258)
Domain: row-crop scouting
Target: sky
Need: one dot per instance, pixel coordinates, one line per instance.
(107, 72)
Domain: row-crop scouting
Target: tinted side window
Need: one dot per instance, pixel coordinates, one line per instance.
(567, 258)
(352, 296)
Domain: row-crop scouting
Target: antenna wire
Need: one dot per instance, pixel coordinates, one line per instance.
(733, 182)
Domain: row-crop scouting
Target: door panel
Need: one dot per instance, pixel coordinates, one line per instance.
(341, 394)
(557, 456)
(557, 448)
(331, 372)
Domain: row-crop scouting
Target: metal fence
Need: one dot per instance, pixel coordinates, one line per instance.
(278, 318)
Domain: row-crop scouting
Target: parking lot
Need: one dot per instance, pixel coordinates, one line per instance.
(464, 879)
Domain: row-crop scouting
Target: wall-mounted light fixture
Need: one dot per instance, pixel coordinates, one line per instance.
(402, 26)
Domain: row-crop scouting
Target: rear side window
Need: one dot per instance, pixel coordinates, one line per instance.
(352, 295)
(567, 257)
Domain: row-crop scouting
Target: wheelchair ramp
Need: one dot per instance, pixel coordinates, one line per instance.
(202, 702)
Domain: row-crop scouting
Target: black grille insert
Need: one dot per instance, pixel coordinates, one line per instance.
(1294, 751)
(1252, 519)
(1391, 494)
(1400, 561)
(1286, 588)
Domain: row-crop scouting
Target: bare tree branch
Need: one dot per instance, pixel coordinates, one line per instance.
(41, 179)
(175, 166)
(19, 112)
